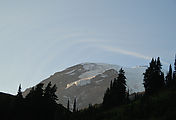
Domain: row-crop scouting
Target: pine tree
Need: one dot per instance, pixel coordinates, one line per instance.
(116, 94)
(74, 105)
(106, 98)
(19, 94)
(169, 78)
(49, 93)
(158, 64)
(111, 85)
(120, 87)
(68, 105)
(30, 94)
(160, 75)
(53, 91)
(174, 73)
(36, 94)
(154, 77)
(19, 104)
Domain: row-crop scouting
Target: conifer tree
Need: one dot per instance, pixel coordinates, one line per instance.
(49, 93)
(154, 77)
(19, 94)
(174, 73)
(120, 87)
(53, 93)
(159, 75)
(68, 105)
(111, 85)
(116, 94)
(106, 98)
(74, 105)
(38, 92)
(19, 104)
(158, 64)
(169, 78)
(30, 94)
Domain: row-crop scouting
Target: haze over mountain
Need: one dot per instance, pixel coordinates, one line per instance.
(87, 82)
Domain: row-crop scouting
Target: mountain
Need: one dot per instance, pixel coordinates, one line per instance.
(87, 82)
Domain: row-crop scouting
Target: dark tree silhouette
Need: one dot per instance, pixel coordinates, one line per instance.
(174, 73)
(159, 74)
(39, 90)
(19, 94)
(30, 94)
(74, 106)
(107, 98)
(68, 105)
(120, 87)
(116, 94)
(42, 102)
(153, 77)
(49, 93)
(169, 78)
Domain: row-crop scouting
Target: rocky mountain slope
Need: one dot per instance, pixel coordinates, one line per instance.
(88, 82)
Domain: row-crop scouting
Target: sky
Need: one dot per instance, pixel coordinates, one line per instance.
(41, 37)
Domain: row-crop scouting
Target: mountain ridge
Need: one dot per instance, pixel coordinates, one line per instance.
(87, 82)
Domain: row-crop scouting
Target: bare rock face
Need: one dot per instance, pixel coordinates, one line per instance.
(88, 82)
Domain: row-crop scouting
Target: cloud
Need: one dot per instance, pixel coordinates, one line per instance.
(125, 52)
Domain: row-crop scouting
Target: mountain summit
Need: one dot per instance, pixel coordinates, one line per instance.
(87, 82)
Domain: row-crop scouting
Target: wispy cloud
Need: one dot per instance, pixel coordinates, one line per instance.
(126, 52)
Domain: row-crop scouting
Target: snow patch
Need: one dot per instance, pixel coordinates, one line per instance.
(134, 75)
(80, 82)
(95, 69)
(88, 66)
(70, 72)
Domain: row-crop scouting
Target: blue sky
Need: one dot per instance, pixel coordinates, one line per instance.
(40, 37)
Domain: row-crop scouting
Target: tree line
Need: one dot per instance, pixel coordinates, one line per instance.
(39, 103)
(154, 81)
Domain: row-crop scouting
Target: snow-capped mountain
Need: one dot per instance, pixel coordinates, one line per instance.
(87, 82)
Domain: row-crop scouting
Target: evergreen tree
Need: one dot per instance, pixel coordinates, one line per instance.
(38, 92)
(53, 93)
(106, 98)
(169, 78)
(68, 105)
(158, 64)
(120, 87)
(111, 85)
(174, 73)
(175, 63)
(49, 93)
(30, 94)
(42, 102)
(35, 99)
(19, 94)
(18, 106)
(159, 75)
(116, 94)
(154, 77)
(74, 105)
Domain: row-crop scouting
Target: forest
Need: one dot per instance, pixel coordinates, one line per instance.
(157, 102)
